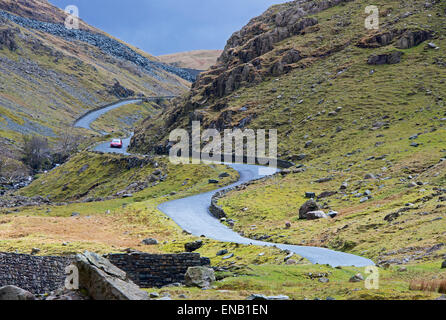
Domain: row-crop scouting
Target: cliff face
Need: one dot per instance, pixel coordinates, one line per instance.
(244, 62)
(293, 40)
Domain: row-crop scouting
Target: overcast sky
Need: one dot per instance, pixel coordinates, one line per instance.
(168, 26)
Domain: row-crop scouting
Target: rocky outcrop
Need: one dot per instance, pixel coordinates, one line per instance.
(413, 38)
(377, 40)
(242, 63)
(120, 91)
(201, 277)
(21, 201)
(393, 57)
(12, 293)
(7, 39)
(104, 281)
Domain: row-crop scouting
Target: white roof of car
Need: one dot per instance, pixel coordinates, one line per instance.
(116, 140)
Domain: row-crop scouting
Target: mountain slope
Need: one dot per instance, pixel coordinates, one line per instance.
(50, 75)
(360, 112)
(325, 40)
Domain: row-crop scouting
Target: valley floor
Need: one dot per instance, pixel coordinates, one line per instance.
(87, 215)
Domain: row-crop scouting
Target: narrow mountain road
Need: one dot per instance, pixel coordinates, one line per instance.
(192, 213)
(86, 120)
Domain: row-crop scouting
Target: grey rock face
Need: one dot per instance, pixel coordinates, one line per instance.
(413, 38)
(104, 281)
(12, 293)
(393, 57)
(7, 38)
(201, 277)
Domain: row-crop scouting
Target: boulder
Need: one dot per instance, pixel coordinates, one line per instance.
(344, 186)
(326, 194)
(201, 277)
(310, 195)
(12, 293)
(387, 58)
(314, 215)
(222, 252)
(443, 265)
(150, 242)
(357, 278)
(309, 206)
(193, 246)
(104, 281)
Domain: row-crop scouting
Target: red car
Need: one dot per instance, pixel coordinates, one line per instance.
(116, 143)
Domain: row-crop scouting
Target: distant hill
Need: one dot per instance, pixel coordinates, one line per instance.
(51, 75)
(196, 60)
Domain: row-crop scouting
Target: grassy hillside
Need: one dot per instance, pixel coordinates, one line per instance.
(118, 222)
(347, 118)
(48, 81)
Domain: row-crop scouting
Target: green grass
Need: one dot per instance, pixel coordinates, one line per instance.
(295, 281)
(113, 224)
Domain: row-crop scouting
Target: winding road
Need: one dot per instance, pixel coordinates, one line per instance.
(192, 213)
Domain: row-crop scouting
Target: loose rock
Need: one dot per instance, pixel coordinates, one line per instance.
(200, 277)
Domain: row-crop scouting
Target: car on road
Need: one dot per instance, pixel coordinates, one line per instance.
(116, 143)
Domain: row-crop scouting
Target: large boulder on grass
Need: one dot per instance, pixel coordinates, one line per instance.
(13, 293)
(200, 277)
(314, 215)
(309, 206)
(104, 281)
(193, 246)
